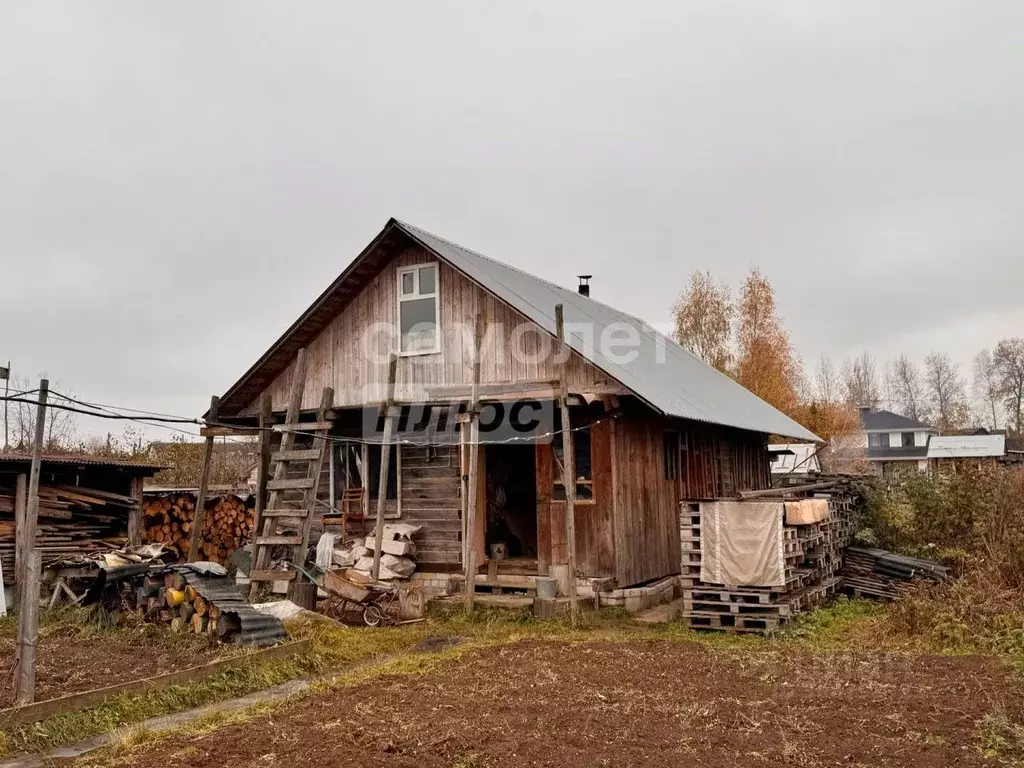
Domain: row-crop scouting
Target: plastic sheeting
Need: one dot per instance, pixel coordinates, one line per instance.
(741, 543)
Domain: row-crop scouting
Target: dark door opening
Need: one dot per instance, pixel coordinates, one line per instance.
(512, 499)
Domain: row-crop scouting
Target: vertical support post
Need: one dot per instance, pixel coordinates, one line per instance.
(135, 514)
(204, 479)
(365, 478)
(28, 631)
(568, 461)
(7, 393)
(28, 539)
(473, 429)
(263, 468)
(385, 457)
(28, 607)
(20, 516)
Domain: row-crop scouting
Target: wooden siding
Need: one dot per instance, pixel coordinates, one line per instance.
(595, 545)
(718, 462)
(430, 497)
(339, 357)
(646, 515)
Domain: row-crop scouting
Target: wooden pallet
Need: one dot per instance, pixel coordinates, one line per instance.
(732, 623)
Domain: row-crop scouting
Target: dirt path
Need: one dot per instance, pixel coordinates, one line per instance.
(652, 703)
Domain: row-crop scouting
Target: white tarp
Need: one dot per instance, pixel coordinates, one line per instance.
(741, 543)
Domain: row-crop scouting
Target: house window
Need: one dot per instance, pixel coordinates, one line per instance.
(418, 310)
(907, 439)
(584, 476)
(670, 454)
(373, 476)
(878, 440)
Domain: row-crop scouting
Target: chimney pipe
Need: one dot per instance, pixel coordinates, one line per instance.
(584, 287)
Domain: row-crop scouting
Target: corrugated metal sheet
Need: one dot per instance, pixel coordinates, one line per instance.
(966, 446)
(665, 375)
(257, 628)
(800, 459)
(76, 459)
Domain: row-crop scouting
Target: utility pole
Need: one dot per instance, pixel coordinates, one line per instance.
(5, 374)
(28, 609)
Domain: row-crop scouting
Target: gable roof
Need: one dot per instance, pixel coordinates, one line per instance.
(881, 421)
(663, 374)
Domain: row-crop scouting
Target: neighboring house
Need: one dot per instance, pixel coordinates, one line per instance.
(948, 453)
(794, 459)
(894, 442)
(654, 426)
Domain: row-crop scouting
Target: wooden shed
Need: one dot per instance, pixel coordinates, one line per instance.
(653, 426)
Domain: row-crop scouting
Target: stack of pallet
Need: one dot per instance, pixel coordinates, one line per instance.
(813, 558)
(73, 521)
(227, 525)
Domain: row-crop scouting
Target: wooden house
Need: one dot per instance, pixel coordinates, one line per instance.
(652, 425)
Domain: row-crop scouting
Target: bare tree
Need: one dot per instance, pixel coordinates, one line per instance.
(1008, 360)
(904, 379)
(60, 427)
(827, 385)
(703, 316)
(946, 392)
(987, 387)
(860, 381)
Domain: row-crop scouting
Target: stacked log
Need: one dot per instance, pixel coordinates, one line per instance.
(168, 599)
(227, 524)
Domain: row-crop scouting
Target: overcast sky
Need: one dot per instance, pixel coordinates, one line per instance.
(179, 180)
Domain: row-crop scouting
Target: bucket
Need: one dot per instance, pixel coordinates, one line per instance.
(547, 588)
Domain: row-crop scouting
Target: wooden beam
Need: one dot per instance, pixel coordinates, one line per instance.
(385, 457)
(472, 480)
(20, 514)
(28, 632)
(263, 467)
(204, 481)
(261, 555)
(568, 464)
(787, 490)
(135, 513)
(224, 431)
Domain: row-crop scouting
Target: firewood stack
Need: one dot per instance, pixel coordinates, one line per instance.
(168, 518)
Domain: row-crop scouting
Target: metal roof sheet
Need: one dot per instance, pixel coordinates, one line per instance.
(80, 459)
(966, 446)
(794, 457)
(666, 376)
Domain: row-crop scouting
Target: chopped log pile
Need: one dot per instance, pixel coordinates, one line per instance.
(227, 525)
(813, 559)
(879, 574)
(73, 521)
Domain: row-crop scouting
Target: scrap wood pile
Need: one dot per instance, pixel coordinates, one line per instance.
(73, 521)
(815, 532)
(397, 559)
(879, 574)
(168, 517)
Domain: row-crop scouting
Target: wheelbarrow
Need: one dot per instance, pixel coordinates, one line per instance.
(376, 603)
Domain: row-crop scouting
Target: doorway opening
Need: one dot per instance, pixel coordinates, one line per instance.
(511, 531)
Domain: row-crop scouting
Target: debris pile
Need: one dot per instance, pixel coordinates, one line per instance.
(882, 575)
(73, 522)
(227, 525)
(397, 559)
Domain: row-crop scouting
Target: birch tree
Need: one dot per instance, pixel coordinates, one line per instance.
(703, 316)
(1008, 362)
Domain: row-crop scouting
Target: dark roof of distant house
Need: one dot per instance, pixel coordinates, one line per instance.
(886, 420)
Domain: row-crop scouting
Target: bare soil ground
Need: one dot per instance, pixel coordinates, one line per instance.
(68, 661)
(651, 703)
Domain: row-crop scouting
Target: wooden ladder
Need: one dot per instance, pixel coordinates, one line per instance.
(295, 478)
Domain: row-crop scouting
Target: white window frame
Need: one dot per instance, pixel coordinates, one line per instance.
(436, 296)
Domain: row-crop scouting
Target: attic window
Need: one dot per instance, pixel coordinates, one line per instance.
(418, 310)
